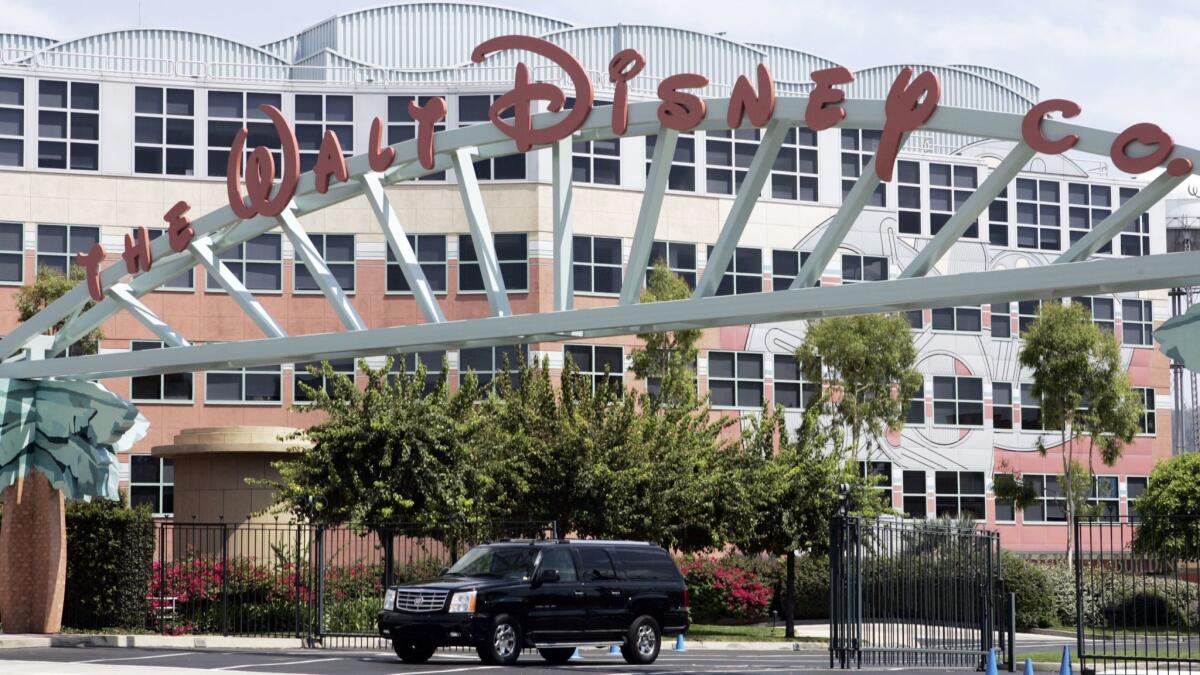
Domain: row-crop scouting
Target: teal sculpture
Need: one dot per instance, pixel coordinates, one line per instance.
(1180, 338)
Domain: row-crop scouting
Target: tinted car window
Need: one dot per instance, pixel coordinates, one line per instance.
(559, 559)
(495, 561)
(646, 564)
(597, 565)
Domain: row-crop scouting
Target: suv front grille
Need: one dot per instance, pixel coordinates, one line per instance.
(420, 601)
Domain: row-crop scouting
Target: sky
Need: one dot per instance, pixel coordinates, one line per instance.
(1122, 61)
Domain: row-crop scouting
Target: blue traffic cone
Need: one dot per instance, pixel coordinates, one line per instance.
(1065, 669)
(991, 663)
(679, 645)
(614, 650)
(575, 655)
(1028, 666)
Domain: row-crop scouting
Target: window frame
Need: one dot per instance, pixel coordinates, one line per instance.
(958, 401)
(161, 483)
(958, 495)
(322, 237)
(1148, 424)
(806, 392)
(300, 372)
(243, 372)
(407, 363)
(667, 247)
(1137, 230)
(212, 286)
(69, 255)
(590, 266)
(956, 194)
(859, 146)
(733, 277)
(1013, 422)
(162, 380)
(686, 142)
(906, 494)
(252, 120)
(1082, 207)
(799, 148)
(737, 379)
(309, 155)
(1041, 208)
(164, 117)
(497, 365)
(415, 240)
(15, 141)
(488, 173)
(615, 378)
(70, 112)
(18, 254)
(956, 314)
(1146, 323)
(500, 262)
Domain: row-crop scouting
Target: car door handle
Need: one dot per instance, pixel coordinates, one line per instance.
(615, 593)
(579, 594)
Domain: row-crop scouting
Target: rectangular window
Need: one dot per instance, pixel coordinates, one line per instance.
(1148, 424)
(402, 127)
(728, 155)
(743, 274)
(58, 244)
(908, 193)
(735, 379)
(1031, 410)
(246, 385)
(258, 263)
(68, 125)
(785, 267)
(791, 391)
(794, 176)
(682, 177)
(1027, 313)
(1102, 311)
(998, 219)
(949, 187)
(152, 482)
(1006, 509)
(431, 255)
(229, 111)
(1038, 217)
(300, 375)
(182, 282)
(916, 406)
(1049, 505)
(914, 500)
(12, 121)
(959, 494)
(474, 110)
(338, 252)
(878, 475)
(489, 362)
(1135, 237)
(1105, 497)
(603, 366)
(318, 113)
(432, 361)
(1135, 486)
(858, 147)
(680, 258)
(169, 387)
(12, 253)
(164, 131)
(1002, 405)
(1088, 206)
(1001, 321)
(958, 401)
(596, 264)
(1137, 322)
(857, 268)
(961, 319)
(595, 162)
(512, 253)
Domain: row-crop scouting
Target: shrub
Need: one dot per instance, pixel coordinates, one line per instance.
(110, 549)
(725, 590)
(1031, 584)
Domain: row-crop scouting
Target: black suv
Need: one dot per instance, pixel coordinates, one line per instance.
(552, 595)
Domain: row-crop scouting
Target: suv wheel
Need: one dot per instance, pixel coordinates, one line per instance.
(642, 641)
(413, 651)
(557, 655)
(502, 646)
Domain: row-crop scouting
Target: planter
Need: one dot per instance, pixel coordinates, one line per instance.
(33, 557)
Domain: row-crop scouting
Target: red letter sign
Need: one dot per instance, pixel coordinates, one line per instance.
(426, 117)
(1147, 134)
(137, 252)
(330, 162)
(759, 107)
(261, 172)
(624, 67)
(679, 110)
(380, 158)
(179, 228)
(908, 106)
(1031, 126)
(818, 117)
(91, 263)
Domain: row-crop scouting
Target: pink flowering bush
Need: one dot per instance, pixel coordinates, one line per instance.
(723, 591)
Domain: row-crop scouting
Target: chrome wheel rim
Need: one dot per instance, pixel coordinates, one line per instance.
(645, 640)
(505, 640)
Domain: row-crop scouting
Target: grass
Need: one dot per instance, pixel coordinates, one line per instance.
(757, 633)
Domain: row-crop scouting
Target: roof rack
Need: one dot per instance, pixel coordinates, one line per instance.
(568, 540)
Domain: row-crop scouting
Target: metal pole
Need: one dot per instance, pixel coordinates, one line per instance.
(162, 577)
(318, 630)
(1078, 593)
(224, 579)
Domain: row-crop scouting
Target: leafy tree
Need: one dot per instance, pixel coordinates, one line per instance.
(49, 286)
(869, 362)
(1169, 509)
(1084, 393)
(668, 358)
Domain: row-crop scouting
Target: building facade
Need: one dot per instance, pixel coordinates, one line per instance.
(103, 134)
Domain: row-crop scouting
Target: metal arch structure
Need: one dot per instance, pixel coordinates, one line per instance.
(1071, 274)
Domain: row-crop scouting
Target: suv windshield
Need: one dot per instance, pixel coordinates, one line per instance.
(509, 562)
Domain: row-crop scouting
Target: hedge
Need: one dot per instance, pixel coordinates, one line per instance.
(736, 589)
(110, 552)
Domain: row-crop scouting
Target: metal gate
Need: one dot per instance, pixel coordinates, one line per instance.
(915, 593)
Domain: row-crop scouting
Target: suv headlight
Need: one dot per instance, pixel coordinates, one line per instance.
(389, 599)
(462, 603)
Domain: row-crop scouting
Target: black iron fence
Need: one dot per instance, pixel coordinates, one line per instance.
(915, 593)
(1136, 611)
(288, 580)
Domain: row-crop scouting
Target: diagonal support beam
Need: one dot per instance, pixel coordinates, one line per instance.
(962, 219)
(743, 206)
(314, 262)
(564, 286)
(1111, 226)
(236, 289)
(839, 226)
(647, 222)
(481, 231)
(401, 248)
(122, 294)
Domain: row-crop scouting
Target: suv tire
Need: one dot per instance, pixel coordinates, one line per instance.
(557, 655)
(503, 642)
(413, 651)
(642, 641)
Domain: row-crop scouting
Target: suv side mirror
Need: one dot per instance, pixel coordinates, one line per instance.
(547, 576)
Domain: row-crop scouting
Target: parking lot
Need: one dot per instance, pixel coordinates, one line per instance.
(110, 661)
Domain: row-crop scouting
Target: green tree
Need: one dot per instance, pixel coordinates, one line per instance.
(668, 359)
(1084, 393)
(1169, 509)
(869, 362)
(49, 286)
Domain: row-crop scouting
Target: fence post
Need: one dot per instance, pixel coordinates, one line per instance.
(1078, 593)
(224, 578)
(296, 588)
(318, 630)
(162, 577)
(387, 537)
(1012, 632)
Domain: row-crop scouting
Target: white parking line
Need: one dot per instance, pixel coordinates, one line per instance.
(133, 658)
(272, 665)
(447, 670)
